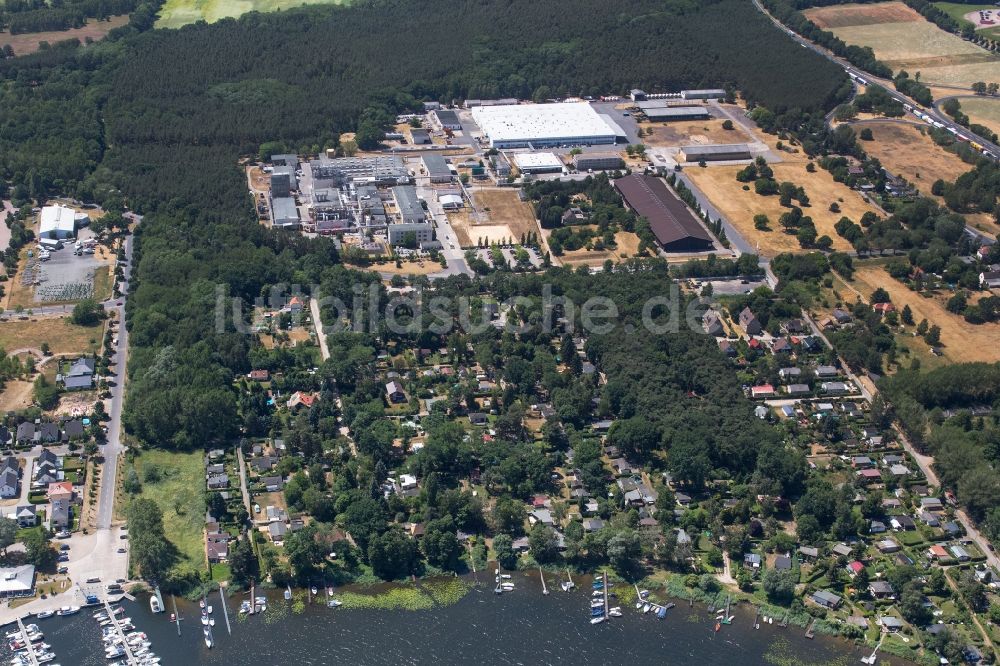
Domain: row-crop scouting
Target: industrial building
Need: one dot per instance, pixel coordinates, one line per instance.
(385, 170)
(284, 213)
(420, 136)
(423, 232)
(543, 125)
(598, 162)
(60, 222)
(371, 209)
(671, 221)
(711, 93)
(408, 204)
(450, 199)
(285, 160)
(715, 153)
(470, 103)
(448, 119)
(637, 95)
(282, 181)
(538, 163)
(670, 113)
(437, 168)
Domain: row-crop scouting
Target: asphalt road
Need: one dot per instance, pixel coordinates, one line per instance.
(886, 85)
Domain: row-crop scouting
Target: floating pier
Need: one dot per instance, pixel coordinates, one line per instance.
(27, 643)
(225, 611)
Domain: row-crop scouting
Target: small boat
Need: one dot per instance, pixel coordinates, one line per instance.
(208, 638)
(288, 593)
(597, 603)
(41, 615)
(597, 593)
(334, 603)
(646, 608)
(770, 620)
(718, 625)
(670, 605)
(566, 586)
(68, 610)
(313, 590)
(204, 620)
(594, 612)
(245, 607)
(615, 612)
(662, 613)
(173, 618)
(209, 609)
(154, 605)
(201, 604)
(211, 621)
(597, 620)
(507, 576)
(507, 586)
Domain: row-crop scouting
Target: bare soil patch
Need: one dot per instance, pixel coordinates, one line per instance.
(688, 132)
(30, 42)
(841, 16)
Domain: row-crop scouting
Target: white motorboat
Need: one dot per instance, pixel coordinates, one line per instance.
(334, 603)
(68, 610)
(154, 605)
(597, 620)
(41, 615)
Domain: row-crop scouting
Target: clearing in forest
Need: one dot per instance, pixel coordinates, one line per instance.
(177, 13)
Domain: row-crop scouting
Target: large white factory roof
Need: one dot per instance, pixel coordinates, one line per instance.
(538, 161)
(538, 122)
(57, 219)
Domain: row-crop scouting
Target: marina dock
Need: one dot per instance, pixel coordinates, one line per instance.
(225, 611)
(130, 657)
(177, 616)
(32, 658)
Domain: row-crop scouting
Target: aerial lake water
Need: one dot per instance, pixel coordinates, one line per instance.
(518, 627)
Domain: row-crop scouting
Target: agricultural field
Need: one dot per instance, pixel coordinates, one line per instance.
(740, 206)
(961, 342)
(983, 110)
(177, 13)
(29, 42)
(903, 40)
(502, 217)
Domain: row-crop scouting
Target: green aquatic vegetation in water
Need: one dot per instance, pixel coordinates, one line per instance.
(394, 599)
(781, 653)
(427, 595)
(693, 618)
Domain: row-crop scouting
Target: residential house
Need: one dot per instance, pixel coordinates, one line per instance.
(899, 470)
(47, 433)
(218, 481)
(477, 418)
(712, 324)
(891, 624)
(931, 504)
(592, 524)
(727, 348)
(277, 531)
(841, 549)
(80, 375)
(903, 523)
(17, 581)
(301, 399)
(855, 568)
(9, 483)
(25, 432)
(887, 546)
(217, 547)
(26, 515)
(751, 560)
(790, 373)
(881, 590)
(262, 464)
(794, 326)
(61, 490)
(809, 552)
(272, 484)
(394, 392)
(937, 552)
(259, 375)
(59, 515)
(823, 371)
(834, 387)
(862, 462)
(989, 279)
(783, 563)
(762, 391)
(959, 553)
(748, 320)
(781, 346)
(876, 527)
(826, 599)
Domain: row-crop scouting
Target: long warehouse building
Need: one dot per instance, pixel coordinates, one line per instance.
(677, 113)
(715, 153)
(543, 125)
(670, 220)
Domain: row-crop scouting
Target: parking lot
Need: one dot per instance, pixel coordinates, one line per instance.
(66, 276)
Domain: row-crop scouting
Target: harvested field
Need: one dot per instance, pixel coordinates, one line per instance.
(912, 44)
(29, 42)
(739, 206)
(961, 341)
(61, 334)
(843, 16)
(177, 13)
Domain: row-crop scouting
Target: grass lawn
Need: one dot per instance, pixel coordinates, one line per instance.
(177, 13)
(221, 572)
(62, 335)
(180, 494)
